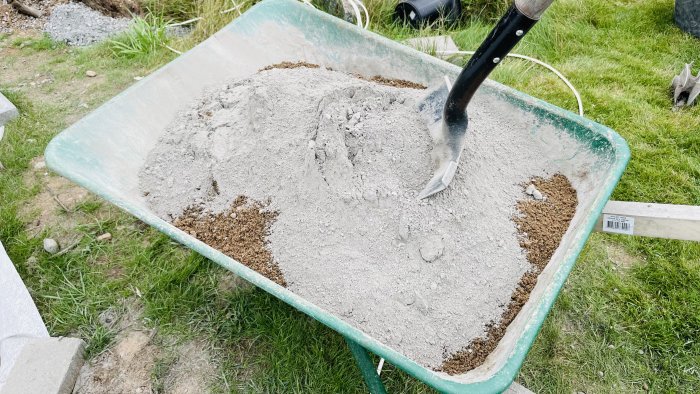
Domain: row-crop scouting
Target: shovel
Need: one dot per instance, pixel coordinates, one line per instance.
(445, 108)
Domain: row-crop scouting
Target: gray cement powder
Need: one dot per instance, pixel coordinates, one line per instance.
(342, 160)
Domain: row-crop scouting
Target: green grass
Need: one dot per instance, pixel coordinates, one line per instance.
(145, 37)
(628, 311)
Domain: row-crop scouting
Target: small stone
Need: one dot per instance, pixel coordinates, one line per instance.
(104, 237)
(645, 387)
(404, 231)
(370, 195)
(107, 318)
(601, 374)
(422, 304)
(39, 165)
(431, 248)
(530, 189)
(138, 78)
(51, 246)
(408, 298)
(641, 351)
(611, 346)
(90, 73)
(537, 195)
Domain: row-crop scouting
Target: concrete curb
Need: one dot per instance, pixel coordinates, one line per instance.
(46, 366)
(7, 112)
(20, 322)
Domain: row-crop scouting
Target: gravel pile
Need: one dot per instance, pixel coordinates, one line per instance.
(79, 25)
(12, 21)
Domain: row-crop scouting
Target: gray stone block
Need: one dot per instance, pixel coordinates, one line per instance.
(20, 321)
(7, 110)
(46, 366)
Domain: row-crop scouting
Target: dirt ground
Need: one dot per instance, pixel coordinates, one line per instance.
(12, 21)
(130, 364)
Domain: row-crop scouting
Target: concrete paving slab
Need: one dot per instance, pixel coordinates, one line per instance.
(433, 45)
(46, 366)
(7, 112)
(20, 321)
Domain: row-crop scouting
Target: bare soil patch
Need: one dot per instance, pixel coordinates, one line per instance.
(239, 232)
(115, 8)
(55, 204)
(193, 372)
(541, 225)
(127, 366)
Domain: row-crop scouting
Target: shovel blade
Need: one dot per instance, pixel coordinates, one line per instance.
(448, 140)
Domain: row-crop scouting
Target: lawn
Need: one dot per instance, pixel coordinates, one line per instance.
(626, 321)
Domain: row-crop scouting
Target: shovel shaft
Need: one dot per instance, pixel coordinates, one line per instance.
(533, 9)
(509, 30)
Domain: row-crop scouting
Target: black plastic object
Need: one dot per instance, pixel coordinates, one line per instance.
(419, 12)
(510, 29)
(687, 16)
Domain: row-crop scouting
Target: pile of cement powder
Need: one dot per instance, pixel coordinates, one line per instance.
(342, 161)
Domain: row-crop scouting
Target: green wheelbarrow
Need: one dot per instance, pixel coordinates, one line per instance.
(104, 152)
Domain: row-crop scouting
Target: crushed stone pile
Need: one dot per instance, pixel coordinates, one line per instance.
(79, 25)
(339, 160)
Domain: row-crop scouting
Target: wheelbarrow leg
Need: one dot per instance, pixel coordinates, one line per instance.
(369, 372)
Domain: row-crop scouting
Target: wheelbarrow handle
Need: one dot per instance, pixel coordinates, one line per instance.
(512, 26)
(533, 9)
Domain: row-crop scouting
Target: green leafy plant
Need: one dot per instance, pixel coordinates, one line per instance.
(147, 35)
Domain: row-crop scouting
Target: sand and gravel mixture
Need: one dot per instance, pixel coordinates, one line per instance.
(310, 176)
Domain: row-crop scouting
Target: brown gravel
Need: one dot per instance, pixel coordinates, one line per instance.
(397, 83)
(286, 64)
(541, 226)
(239, 232)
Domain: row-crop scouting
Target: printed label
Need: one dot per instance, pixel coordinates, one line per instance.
(618, 224)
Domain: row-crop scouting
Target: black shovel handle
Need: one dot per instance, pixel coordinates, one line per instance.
(516, 22)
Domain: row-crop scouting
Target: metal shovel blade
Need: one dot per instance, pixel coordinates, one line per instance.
(448, 139)
(446, 109)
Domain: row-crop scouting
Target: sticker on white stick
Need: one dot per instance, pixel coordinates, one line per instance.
(618, 224)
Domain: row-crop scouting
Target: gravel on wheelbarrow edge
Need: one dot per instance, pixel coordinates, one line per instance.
(239, 232)
(541, 226)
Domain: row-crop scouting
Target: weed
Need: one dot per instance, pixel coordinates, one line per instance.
(146, 36)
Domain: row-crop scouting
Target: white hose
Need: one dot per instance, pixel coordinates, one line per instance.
(536, 61)
(358, 15)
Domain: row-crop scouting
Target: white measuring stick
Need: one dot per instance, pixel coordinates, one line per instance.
(380, 366)
(651, 220)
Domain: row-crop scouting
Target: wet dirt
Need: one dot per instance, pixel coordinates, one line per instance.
(239, 232)
(397, 83)
(541, 226)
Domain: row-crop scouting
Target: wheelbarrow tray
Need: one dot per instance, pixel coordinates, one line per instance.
(104, 152)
